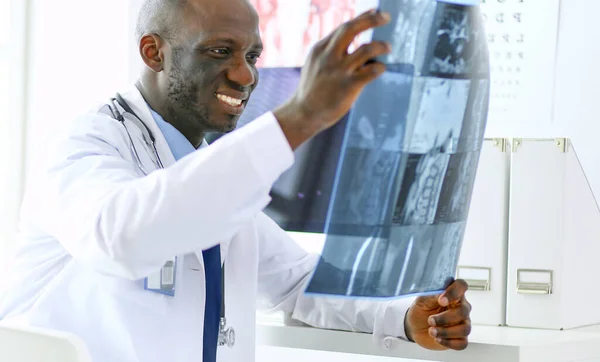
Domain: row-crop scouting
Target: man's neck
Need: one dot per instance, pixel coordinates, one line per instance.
(190, 134)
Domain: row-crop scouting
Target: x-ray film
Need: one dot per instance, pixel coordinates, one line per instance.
(401, 193)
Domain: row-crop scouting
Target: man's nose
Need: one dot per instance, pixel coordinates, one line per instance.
(242, 73)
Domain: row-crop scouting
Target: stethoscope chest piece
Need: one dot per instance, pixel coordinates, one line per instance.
(226, 335)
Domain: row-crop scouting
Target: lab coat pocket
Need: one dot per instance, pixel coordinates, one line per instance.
(131, 295)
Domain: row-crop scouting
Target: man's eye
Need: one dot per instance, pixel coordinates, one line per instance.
(220, 51)
(253, 58)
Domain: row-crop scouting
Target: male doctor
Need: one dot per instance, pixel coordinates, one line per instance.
(131, 190)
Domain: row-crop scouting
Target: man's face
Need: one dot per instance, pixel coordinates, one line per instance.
(212, 69)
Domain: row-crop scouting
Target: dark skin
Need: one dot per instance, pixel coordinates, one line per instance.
(441, 322)
(214, 55)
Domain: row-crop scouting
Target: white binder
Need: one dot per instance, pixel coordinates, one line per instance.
(554, 239)
(482, 260)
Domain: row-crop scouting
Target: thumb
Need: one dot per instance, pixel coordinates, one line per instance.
(428, 303)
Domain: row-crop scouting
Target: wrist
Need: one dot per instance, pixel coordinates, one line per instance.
(296, 123)
(407, 330)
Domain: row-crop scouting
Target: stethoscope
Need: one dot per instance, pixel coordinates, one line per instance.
(226, 335)
(148, 136)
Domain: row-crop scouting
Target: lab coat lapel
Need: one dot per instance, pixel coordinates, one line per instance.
(224, 244)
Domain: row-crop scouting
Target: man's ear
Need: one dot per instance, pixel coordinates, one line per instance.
(152, 52)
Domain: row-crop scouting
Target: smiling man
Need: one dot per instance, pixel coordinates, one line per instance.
(147, 243)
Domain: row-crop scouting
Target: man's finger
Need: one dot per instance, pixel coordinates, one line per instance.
(369, 72)
(365, 53)
(453, 293)
(457, 344)
(458, 331)
(453, 316)
(345, 34)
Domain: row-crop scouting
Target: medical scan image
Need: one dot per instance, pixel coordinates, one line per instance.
(401, 195)
(389, 186)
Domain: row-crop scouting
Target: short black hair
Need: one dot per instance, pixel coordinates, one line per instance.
(161, 17)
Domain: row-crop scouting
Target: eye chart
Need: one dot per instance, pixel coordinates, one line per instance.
(522, 37)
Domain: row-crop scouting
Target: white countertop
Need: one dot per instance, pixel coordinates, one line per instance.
(487, 343)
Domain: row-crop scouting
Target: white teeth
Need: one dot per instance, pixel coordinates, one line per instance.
(229, 100)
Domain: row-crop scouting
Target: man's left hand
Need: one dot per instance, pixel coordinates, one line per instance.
(441, 322)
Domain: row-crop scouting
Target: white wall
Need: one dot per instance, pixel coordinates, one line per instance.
(577, 97)
(12, 75)
(79, 56)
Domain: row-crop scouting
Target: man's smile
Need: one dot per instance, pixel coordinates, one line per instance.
(232, 102)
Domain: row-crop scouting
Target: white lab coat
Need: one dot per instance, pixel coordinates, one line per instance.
(93, 227)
